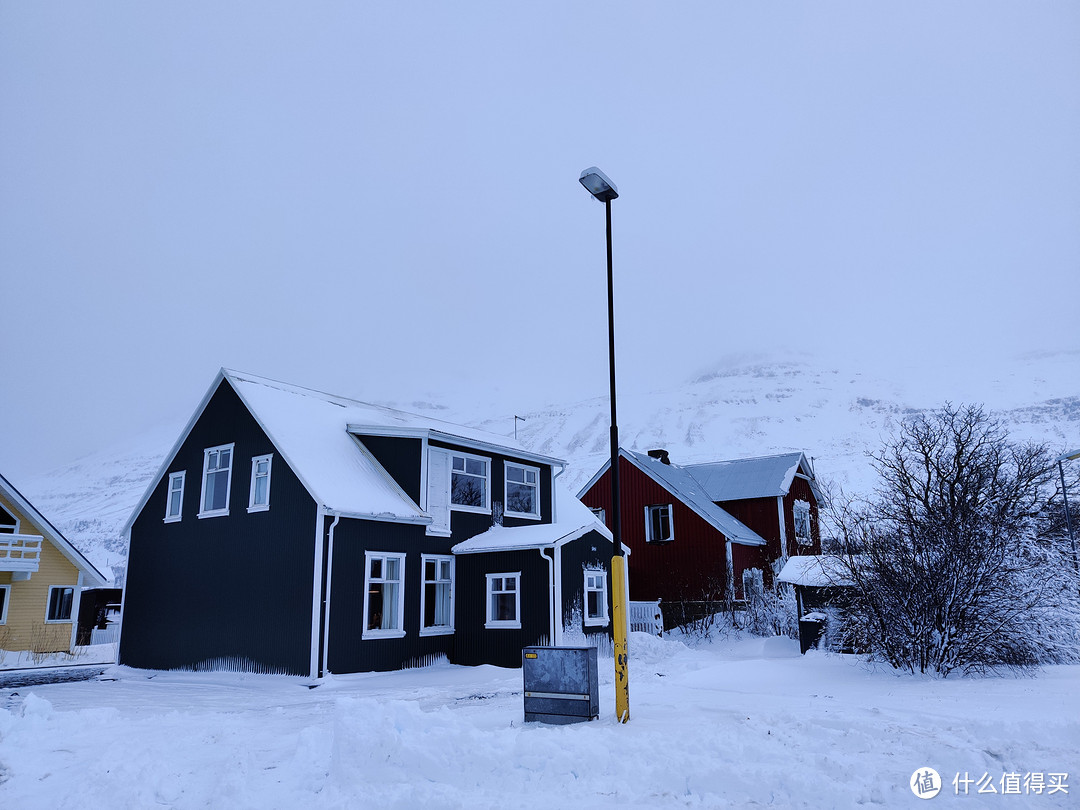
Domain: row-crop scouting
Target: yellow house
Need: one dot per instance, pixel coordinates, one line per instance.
(41, 579)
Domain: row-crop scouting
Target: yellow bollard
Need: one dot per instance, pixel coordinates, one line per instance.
(618, 609)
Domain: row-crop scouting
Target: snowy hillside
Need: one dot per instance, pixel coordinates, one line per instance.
(736, 409)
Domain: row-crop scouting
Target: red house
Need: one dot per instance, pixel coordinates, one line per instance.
(700, 531)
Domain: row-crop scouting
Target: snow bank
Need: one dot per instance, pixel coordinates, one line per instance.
(745, 723)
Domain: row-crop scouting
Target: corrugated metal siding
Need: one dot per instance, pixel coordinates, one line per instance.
(693, 563)
(475, 644)
(228, 592)
(400, 457)
(592, 550)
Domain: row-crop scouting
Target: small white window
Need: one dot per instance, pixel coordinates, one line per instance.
(260, 484)
(5, 593)
(599, 512)
(801, 510)
(503, 601)
(175, 502)
(470, 483)
(596, 612)
(522, 491)
(60, 601)
(384, 595)
(217, 480)
(658, 528)
(437, 595)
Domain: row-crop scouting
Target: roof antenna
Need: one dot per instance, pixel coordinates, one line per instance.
(516, 418)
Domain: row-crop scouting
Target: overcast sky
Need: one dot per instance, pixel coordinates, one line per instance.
(381, 199)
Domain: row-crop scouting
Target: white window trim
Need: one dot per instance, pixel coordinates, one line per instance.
(228, 486)
(439, 630)
(648, 522)
(804, 508)
(7, 601)
(262, 507)
(492, 624)
(599, 621)
(182, 476)
(506, 484)
(48, 602)
(384, 555)
(485, 509)
(599, 513)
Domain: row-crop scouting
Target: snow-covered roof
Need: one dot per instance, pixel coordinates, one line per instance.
(680, 483)
(815, 571)
(91, 576)
(760, 477)
(572, 520)
(314, 432)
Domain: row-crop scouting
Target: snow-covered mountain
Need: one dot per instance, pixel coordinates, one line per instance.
(736, 409)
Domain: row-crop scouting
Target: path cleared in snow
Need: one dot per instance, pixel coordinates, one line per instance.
(746, 723)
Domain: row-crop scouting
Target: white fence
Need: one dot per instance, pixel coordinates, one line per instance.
(646, 617)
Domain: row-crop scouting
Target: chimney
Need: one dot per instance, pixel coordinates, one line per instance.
(660, 455)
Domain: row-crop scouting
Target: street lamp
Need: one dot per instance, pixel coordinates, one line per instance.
(1075, 454)
(598, 184)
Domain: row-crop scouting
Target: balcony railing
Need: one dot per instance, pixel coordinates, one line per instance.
(20, 552)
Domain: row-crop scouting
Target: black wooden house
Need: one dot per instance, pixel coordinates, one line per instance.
(297, 532)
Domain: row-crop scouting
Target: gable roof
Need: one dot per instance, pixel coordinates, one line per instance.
(760, 477)
(91, 576)
(680, 483)
(314, 433)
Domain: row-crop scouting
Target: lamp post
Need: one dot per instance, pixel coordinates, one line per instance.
(598, 184)
(1075, 454)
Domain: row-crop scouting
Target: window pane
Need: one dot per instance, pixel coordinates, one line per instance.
(594, 605)
(474, 467)
(459, 463)
(391, 569)
(375, 607)
(390, 605)
(376, 567)
(510, 584)
(223, 459)
(515, 474)
(521, 498)
(467, 491)
(429, 570)
(260, 490)
(444, 569)
(503, 608)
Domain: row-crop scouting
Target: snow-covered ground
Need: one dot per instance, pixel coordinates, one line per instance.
(743, 723)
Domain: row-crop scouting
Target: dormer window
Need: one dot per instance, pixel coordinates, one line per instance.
(470, 483)
(522, 491)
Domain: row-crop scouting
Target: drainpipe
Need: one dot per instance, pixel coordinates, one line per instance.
(551, 591)
(326, 607)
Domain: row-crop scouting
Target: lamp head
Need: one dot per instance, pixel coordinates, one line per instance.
(598, 184)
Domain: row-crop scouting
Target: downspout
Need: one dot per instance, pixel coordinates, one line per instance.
(551, 592)
(329, 582)
(316, 594)
(75, 603)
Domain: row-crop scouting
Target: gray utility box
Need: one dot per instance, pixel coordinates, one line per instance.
(560, 684)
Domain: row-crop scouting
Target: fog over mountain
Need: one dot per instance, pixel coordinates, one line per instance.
(739, 407)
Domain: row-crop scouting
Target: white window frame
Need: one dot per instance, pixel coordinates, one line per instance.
(5, 590)
(228, 485)
(504, 624)
(438, 559)
(597, 575)
(526, 469)
(648, 523)
(260, 507)
(802, 509)
(48, 604)
(393, 632)
(181, 477)
(599, 513)
(485, 508)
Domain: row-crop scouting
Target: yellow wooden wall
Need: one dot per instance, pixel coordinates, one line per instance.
(28, 600)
